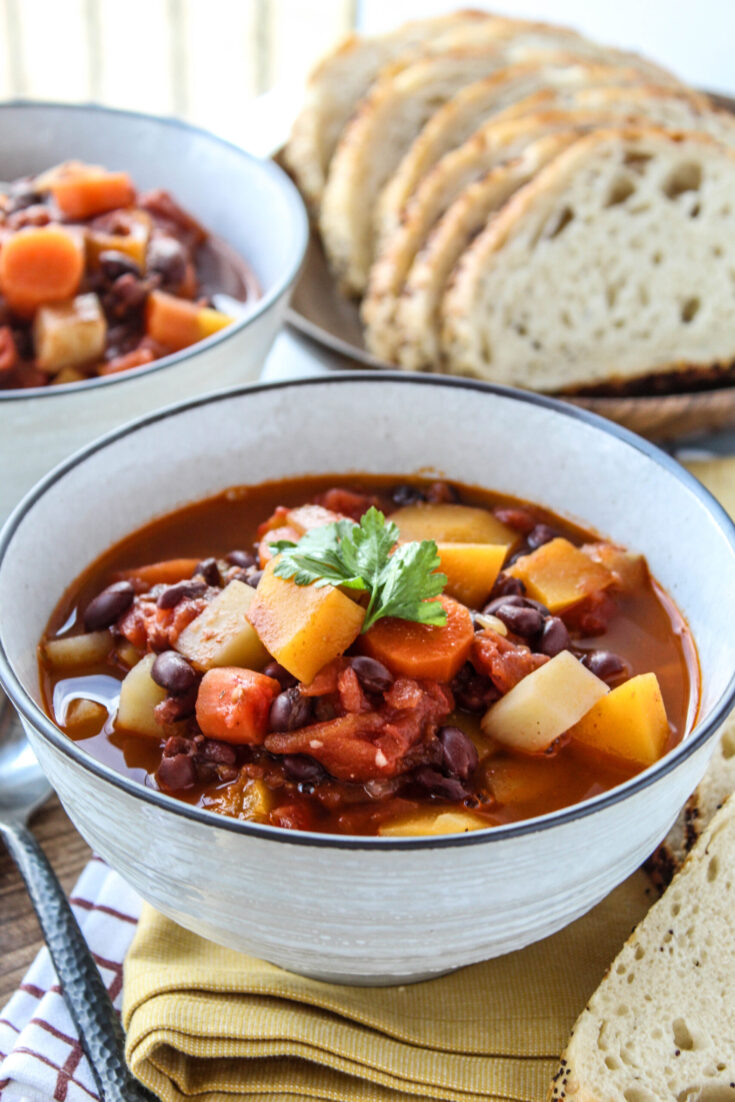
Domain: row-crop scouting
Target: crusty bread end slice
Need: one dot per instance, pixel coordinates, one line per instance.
(661, 1025)
(717, 784)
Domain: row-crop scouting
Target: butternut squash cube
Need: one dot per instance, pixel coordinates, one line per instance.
(222, 635)
(630, 722)
(303, 626)
(139, 695)
(560, 575)
(471, 570)
(544, 705)
(432, 822)
(451, 524)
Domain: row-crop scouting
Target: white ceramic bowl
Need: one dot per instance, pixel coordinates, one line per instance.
(249, 203)
(370, 910)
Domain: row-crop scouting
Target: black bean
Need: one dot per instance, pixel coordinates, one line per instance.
(539, 535)
(372, 675)
(243, 559)
(507, 586)
(554, 637)
(176, 773)
(113, 264)
(459, 752)
(209, 570)
(104, 609)
(525, 622)
(605, 664)
(289, 711)
(223, 753)
(473, 692)
(448, 788)
(167, 257)
(302, 769)
(173, 673)
(407, 495)
(172, 594)
(254, 578)
(285, 679)
(516, 600)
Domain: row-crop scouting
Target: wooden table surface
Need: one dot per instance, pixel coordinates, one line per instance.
(20, 937)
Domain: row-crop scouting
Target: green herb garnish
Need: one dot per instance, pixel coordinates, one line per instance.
(358, 556)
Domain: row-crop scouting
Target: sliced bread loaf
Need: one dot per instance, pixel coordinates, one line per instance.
(661, 1024)
(398, 105)
(614, 262)
(415, 318)
(338, 83)
(492, 144)
(479, 103)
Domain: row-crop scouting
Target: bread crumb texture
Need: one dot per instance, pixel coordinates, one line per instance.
(661, 1025)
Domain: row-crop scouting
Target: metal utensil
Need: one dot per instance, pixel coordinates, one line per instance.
(23, 788)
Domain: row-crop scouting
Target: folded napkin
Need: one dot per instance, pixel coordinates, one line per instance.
(210, 1022)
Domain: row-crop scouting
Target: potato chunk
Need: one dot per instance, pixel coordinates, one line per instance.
(630, 722)
(471, 570)
(451, 524)
(77, 650)
(84, 718)
(222, 635)
(559, 575)
(544, 705)
(66, 334)
(301, 626)
(432, 822)
(139, 695)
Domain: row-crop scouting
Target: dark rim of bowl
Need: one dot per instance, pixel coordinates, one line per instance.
(300, 236)
(43, 724)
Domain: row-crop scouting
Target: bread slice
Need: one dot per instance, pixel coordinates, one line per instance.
(491, 144)
(389, 118)
(716, 786)
(543, 75)
(660, 1025)
(487, 150)
(613, 263)
(338, 83)
(413, 324)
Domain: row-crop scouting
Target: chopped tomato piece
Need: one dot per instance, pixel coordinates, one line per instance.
(505, 663)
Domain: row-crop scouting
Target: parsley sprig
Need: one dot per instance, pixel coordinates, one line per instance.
(358, 556)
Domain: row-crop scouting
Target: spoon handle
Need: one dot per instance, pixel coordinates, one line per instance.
(98, 1025)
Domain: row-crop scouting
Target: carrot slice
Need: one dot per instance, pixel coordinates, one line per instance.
(233, 704)
(167, 572)
(172, 321)
(40, 264)
(86, 193)
(422, 650)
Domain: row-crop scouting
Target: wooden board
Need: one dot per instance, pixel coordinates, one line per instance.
(320, 312)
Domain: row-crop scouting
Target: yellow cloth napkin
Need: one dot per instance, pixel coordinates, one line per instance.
(209, 1023)
(206, 1021)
